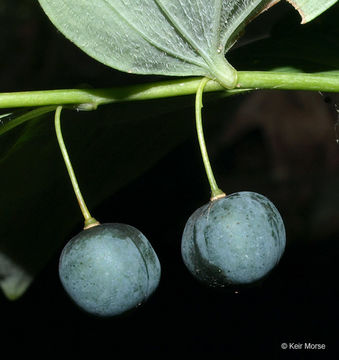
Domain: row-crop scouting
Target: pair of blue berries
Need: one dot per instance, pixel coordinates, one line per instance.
(234, 240)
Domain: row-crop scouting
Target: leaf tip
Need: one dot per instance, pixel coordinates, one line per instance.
(309, 10)
(14, 280)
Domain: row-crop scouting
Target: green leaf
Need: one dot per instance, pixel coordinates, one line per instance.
(12, 120)
(14, 278)
(310, 9)
(311, 48)
(167, 37)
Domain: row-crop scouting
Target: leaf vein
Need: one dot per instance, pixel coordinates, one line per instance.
(185, 36)
(152, 42)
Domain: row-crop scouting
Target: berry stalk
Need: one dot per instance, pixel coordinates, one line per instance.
(216, 193)
(89, 220)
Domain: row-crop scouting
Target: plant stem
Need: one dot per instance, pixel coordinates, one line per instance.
(89, 220)
(216, 193)
(277, 80)
(89, 99)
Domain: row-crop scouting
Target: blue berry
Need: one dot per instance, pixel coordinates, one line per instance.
(109, 269)
(235, 240)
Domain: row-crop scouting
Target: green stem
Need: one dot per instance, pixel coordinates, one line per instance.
(89, 220)
(89, 99)
(289, 81)
(216, 193)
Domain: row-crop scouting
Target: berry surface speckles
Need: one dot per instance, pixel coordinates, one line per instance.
(234, 240)
(109, 269)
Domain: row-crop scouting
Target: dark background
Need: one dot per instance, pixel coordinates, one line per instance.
(281, 144)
